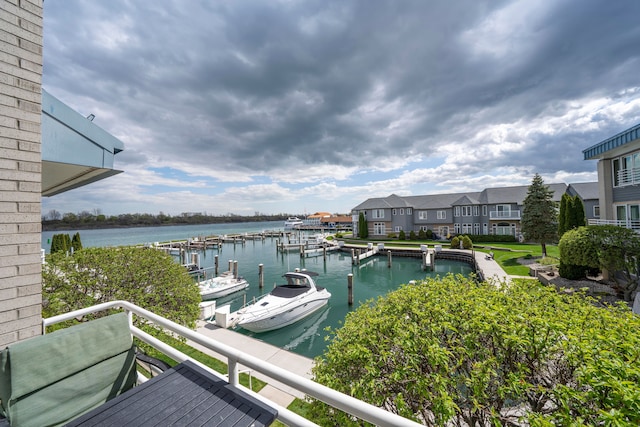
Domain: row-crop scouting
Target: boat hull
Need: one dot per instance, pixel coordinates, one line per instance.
(269, 321)
(219, 291)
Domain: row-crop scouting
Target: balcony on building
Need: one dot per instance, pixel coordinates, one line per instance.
(504, 214)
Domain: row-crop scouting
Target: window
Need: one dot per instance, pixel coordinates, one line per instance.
(476, 228)
(442, 214)
(466, 228)
(596, 211)
(456, 228)
(424, 227)
(377, 213)
(444, 231)
(484, 210)
(504, 229)
(398, 228)
(422, 214)
(393, 212)
(626, 170)
(409, 211)
(466, 211)
(402, 211)
(476, 210)
(379, 229)
(457, 211)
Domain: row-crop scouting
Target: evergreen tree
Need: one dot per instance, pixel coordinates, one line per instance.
(76, 243)
(67, 242)
(539, 218)
(563, 217)
(577, 213)
(363, 229)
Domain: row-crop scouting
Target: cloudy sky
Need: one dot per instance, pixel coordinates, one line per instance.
(302, 106)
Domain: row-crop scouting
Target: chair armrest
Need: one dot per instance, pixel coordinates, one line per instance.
(160, 365)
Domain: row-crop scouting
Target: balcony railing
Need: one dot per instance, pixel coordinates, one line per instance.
(633, 224)
(235, 357)
(628, 176)
(504, 214)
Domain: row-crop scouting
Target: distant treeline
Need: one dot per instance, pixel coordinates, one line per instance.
(87, 220)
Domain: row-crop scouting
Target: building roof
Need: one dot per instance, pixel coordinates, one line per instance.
(75, 151)
(488, 196)
(586, 190)
(610, 145)
(516, 194)
(338, 219)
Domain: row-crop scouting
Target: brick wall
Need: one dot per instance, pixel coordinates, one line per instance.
(20, 169)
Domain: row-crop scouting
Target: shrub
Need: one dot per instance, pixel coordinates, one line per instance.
(401, 235)
(455, 242)
(452, 351)
(412, 235)
(466, 242)
(572, 271)
(422, 235)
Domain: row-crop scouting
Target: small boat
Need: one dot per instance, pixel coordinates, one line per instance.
(293, 222)
(220, 286)
(285, 304)
(193, 268)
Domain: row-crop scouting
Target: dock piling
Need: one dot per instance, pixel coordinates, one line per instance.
(261, 276)
(350, 288)
(389, 258)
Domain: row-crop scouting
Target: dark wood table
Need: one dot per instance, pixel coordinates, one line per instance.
(185, 395)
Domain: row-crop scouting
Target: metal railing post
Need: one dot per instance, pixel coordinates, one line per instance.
(232, 372)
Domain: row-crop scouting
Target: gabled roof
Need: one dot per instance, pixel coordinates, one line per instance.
(516, 194)
(465, 200)
(392, 201)
(439, 201)
(586, 190)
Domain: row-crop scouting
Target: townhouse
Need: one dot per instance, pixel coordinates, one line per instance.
(618, 178)
(495, 211)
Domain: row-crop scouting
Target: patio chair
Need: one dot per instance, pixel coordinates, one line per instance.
(53, 378)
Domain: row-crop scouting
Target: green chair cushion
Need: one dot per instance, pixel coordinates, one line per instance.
(50, 379)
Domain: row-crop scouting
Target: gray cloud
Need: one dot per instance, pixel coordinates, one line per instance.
(259, 85)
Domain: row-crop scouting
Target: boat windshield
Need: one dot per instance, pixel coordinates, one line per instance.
(298, 281)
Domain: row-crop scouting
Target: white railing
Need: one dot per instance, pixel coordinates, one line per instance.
(504, 214)
(632, 224)
(629, 176)
(235, 357)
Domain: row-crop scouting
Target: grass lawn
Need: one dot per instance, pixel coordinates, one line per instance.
(507, 254)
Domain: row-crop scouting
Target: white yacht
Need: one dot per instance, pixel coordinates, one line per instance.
(293, 222)
(222, 285)
(285, 304)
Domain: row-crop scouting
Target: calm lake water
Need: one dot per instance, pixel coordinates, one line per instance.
(371, 279)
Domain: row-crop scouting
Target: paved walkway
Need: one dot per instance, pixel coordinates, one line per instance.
(275, 391)
(490, 268)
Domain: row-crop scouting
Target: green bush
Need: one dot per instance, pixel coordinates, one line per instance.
(466, 242)
(412, 235)
(392, 235)
(451, 351)
(401, 235)
(422, 235)
(572, 271)
(455, 242)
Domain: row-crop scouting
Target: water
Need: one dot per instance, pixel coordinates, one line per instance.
(370, 279)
